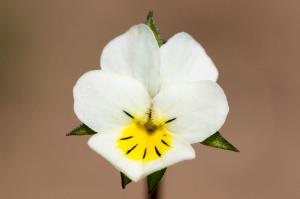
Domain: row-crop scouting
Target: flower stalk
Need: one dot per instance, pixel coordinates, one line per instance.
(156, 194)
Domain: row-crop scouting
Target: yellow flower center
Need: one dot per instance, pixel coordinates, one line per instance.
(145, 141)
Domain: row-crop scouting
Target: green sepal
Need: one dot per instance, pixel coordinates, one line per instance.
(124, 180)
(81, 130)
(154, 179)
(153, 27)
(218, 141)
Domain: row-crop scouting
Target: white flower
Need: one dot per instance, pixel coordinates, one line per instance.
(149, 104)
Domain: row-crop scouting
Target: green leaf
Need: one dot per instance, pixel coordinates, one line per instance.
(218, 141)
(152, 26)
(125, 180)
(154, 179)
(81, 130)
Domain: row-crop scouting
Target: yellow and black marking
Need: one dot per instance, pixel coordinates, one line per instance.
(146, 141)
(128, 114)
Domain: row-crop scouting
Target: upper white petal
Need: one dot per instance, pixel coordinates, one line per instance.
(100, 98)
(184, 59)
(105, 145)
(136, 54)
(200, 109)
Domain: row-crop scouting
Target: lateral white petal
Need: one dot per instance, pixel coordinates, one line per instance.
(200, 109)
(101, 97)
(136, 54)
(184, 59)
(105, 145)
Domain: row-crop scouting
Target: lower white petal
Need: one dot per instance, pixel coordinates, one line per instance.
(181, 150)
(200, 109)
(106, 146)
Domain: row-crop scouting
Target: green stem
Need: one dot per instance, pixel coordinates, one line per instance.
(155, 195)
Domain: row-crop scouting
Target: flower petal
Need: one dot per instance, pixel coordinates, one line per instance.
(136, 54)
(101, 97)
(105, 145)
(184, 59)
(181, 150)
(200, 109)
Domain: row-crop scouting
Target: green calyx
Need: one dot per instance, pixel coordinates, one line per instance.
(150, 23)
(218, 141)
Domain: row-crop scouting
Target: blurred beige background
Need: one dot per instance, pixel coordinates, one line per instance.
(46, 45)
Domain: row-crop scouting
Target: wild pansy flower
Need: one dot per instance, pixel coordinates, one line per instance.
(149, 104)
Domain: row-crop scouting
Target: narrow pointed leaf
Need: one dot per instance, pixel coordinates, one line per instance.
(81, 130)
(154, 179)
(153, 27)
(124, 180)
(218, 141)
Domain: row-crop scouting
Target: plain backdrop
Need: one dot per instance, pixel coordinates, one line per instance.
(45, 46)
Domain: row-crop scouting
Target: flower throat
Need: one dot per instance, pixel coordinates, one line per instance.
(145, 141)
